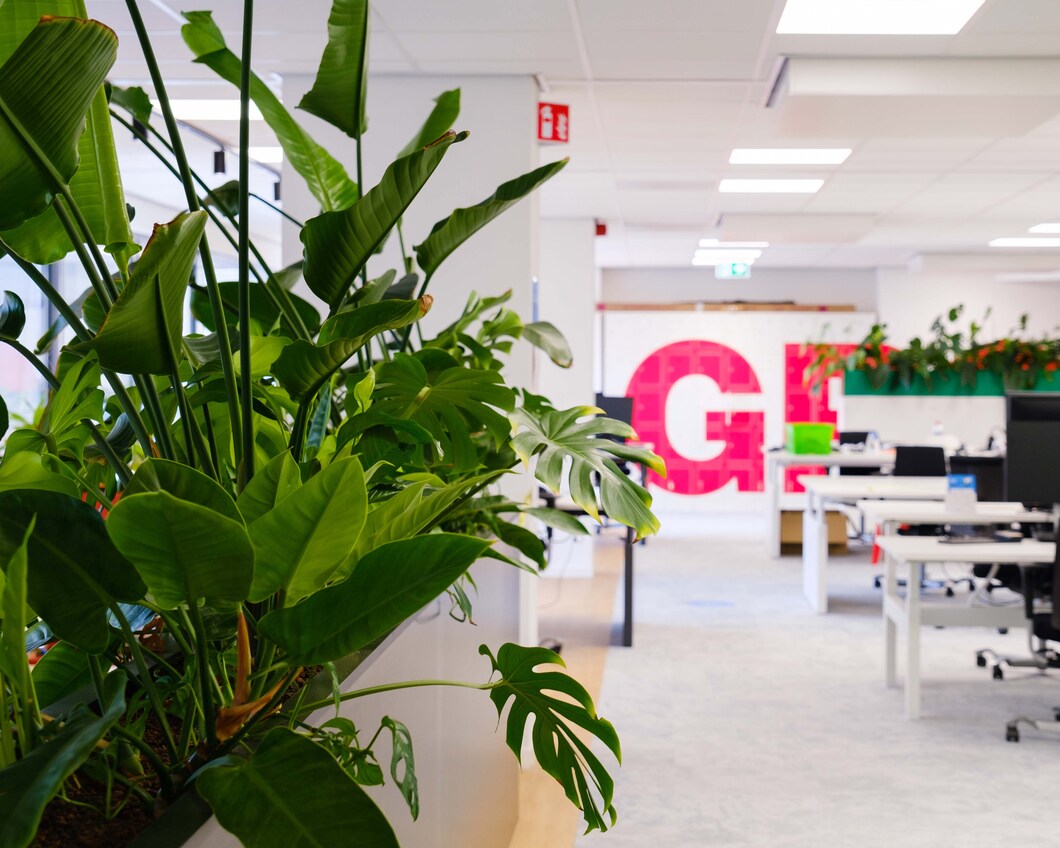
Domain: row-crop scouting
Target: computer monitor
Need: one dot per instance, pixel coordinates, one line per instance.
(1032, 462)
(619, 408)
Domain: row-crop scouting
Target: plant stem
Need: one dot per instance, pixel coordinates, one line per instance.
(202, 658)
(246, 471)
(216, 306)
(394, 687)
(94, 278)
(153, 405)
(278, 210)
(145, 678)
(165, 780)
(408, 330)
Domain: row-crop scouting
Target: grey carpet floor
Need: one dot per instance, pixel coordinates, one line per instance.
(748, 721)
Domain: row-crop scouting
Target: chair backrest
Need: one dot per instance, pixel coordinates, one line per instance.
(855, 437)
(919, 461)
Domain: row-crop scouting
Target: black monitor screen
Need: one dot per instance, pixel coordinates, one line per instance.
(619, 408)
(1032, 463)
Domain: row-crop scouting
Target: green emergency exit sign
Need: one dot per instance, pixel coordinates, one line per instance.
(732, 271)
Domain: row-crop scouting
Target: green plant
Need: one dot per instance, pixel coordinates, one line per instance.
(950, 353)
(196, 519)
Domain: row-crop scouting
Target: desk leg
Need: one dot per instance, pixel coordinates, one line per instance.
(912, 645)
(774, 485)
(627, 624)
(890, 628)
(815, 555)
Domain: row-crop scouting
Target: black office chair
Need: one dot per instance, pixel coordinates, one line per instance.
(1045, 627)
(855, 437)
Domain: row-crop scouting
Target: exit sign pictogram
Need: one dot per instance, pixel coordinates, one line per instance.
(553, 122)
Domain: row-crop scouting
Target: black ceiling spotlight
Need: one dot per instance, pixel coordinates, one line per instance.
(276, 191)
(219, 161)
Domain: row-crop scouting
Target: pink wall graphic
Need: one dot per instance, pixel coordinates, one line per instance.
(743, 432)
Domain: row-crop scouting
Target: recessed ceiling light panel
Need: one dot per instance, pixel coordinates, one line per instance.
(209, 110)
(711, 242)
(876, 17)
(789, 156)
(266, 155)
(730, 186)
(1025, 242)
(1045, 228)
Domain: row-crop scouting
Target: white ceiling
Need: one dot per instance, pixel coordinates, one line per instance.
(946, 156)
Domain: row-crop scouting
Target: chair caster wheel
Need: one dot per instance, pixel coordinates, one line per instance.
(1056, 713)
(998, 673)
(949, 592)
(1002, 630)
(1012, 733)
(980, 660)
(876, 582)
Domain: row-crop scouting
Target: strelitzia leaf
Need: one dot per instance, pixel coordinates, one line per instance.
(575, 434)
(275, 798)
(325, 177)
(340, 89)
(338, 244)
(47, 86)
(142, 330)
(449, 233)
(558, 749)
(387, 586)
(444, 114)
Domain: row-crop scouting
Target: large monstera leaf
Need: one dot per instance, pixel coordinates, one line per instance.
(449, 233)
(451, 402)
(557, 747)
(46, 88)
(324, 176)
(292, 792)
(577, 434)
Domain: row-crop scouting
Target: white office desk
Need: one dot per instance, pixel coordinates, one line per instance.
(889, 514)
(777, 462)
(822, 491)
(909, 613)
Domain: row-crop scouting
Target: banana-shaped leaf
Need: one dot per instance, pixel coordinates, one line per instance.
(142, 331)
(46, 88)
(338, 244)
(326, 178)
(76, 573)
(387, 586)
(557, 747)
(275, 798)
(449, 233)
(133, 100)
(12, 315)
(444, 114)
(340, 89)
(304, 367)
(574, 433)
(28, 785)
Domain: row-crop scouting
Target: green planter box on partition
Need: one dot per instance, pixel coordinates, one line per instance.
(987, 384)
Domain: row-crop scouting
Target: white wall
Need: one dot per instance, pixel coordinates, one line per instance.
(568, 291)
(680, 285)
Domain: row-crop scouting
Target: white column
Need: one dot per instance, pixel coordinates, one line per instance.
(568, 293)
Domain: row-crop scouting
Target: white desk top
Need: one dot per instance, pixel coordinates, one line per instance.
(918, 549)
(851, 489)
(842, 459)
(935, 512)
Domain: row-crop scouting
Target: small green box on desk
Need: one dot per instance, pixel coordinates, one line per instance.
(810, 438)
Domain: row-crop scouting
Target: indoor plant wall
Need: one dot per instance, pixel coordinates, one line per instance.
(200, 523)
(950, 362)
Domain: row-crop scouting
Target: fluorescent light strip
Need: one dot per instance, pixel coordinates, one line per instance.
(728, 244)
(770, 186)
(209, 110)
(714, 257)
(876, 17)
(789, 156)
(1045, 228)
(1025, 242)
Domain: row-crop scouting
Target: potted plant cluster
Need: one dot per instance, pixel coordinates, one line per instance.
(203, 528)
(950, 362)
